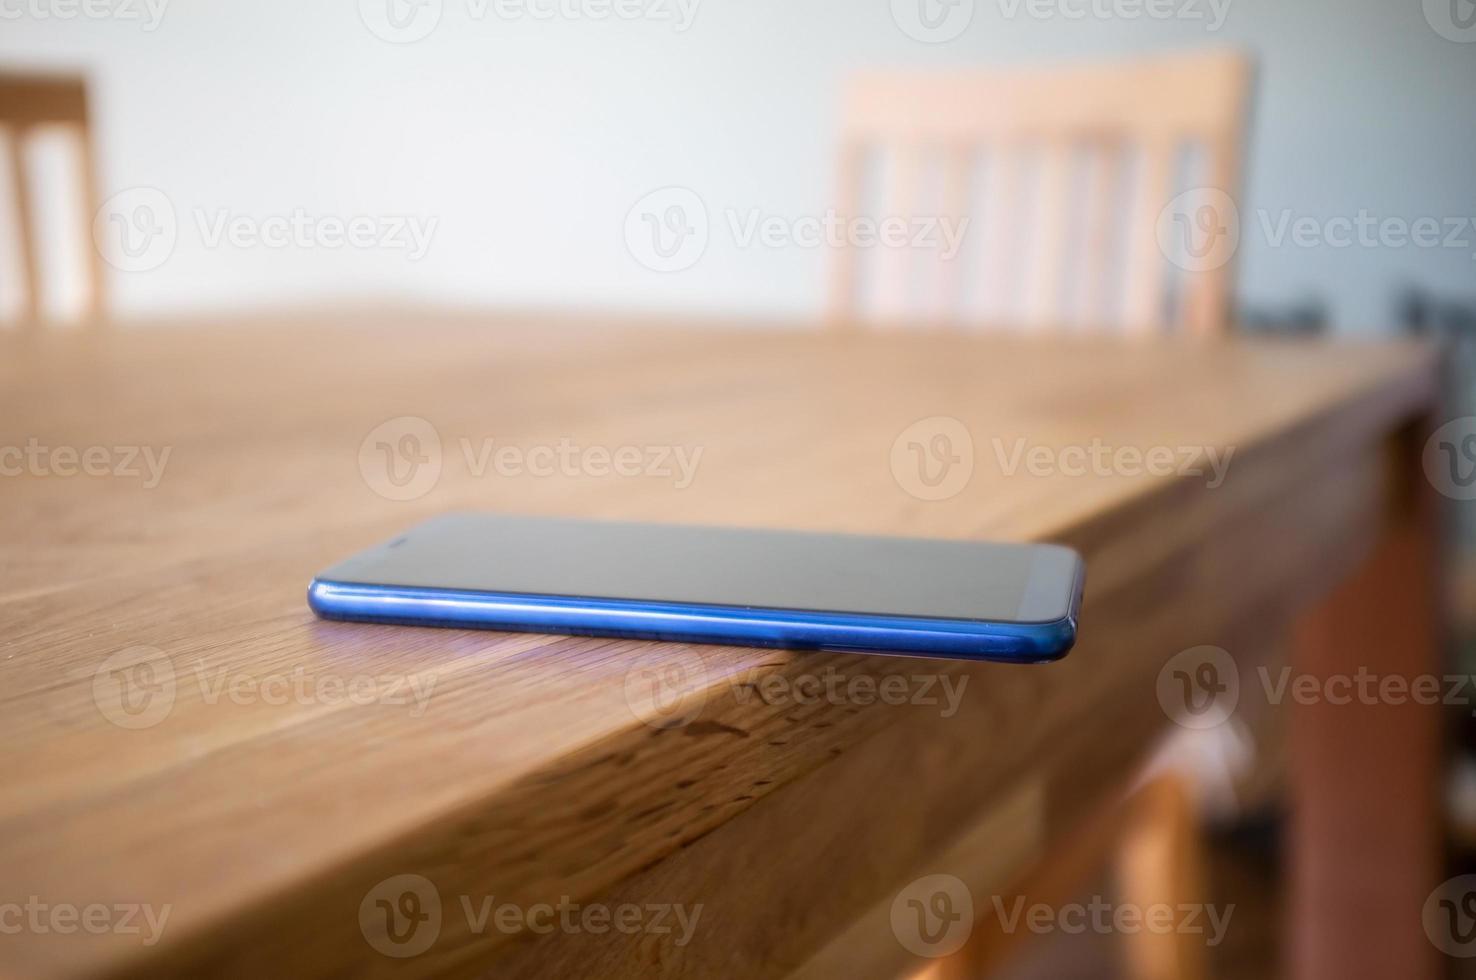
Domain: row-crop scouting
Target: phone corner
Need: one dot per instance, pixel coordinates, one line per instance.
(1054, 641)
(317, 597)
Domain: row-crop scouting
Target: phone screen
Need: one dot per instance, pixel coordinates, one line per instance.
(1027, 583)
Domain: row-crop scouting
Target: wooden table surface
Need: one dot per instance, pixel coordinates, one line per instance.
(180, 731)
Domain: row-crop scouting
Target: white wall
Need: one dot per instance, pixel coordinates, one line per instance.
(528, 140)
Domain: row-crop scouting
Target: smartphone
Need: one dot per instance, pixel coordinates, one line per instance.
(962, 599)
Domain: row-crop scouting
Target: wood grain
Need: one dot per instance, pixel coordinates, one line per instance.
(528, 774)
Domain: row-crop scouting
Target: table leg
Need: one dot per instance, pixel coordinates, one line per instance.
(1365, 822)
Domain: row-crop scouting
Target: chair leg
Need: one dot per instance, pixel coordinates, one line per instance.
(30, 309)
(91, 194)
(1160, 860)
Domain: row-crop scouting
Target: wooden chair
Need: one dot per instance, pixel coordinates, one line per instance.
(1066, 177)
(1070, 180)
(27, 103)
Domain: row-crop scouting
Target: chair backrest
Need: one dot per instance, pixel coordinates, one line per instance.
(1090, 197)
(27, 103)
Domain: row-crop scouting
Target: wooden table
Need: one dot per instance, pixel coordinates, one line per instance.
(179, 730)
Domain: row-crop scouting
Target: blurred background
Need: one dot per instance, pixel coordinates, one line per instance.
(191, 159)
(526, 130)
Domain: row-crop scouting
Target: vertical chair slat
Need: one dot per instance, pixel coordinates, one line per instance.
(1144, 265)
(1137, 108)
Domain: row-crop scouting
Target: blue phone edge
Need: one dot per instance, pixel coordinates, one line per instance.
(702, 623)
